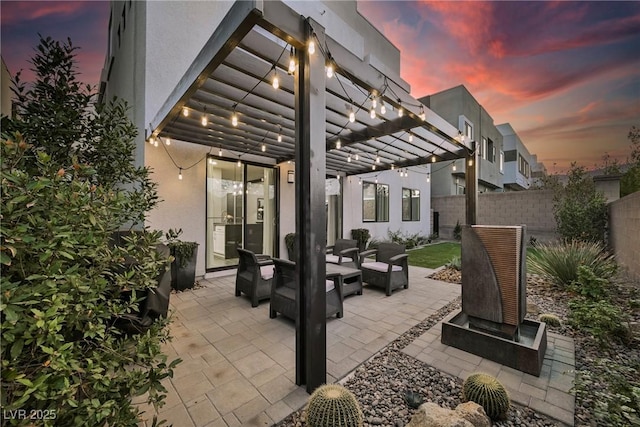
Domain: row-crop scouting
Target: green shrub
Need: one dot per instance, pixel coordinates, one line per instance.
(455, 262)
(67, 185)
(362, 236)
(560, 262)
(579, 210)
(589, 285)
(612, 391)
(603, 320)
(410, 241)
(457, 231)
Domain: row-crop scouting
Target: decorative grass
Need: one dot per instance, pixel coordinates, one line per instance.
(434, 256)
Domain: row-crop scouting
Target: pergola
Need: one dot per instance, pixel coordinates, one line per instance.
(227, 100)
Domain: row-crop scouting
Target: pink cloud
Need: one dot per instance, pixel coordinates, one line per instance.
(20, 11)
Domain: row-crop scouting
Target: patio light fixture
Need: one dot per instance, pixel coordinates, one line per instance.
(239, 162)
(433, 158)
(357, 157)
(292, 62)
(453, 167)
(329, 68)
(349, 158)
(377, 158)
(374, 102)
(338, 144)
(180, 174)
(352, 115)
(429, 177)
(234, 119)
(276, 82)
(185, 111)
(220, 152)
(400, 109)
(264, 147)
(280, 134)
(422, 114)
(383, 109)
(372, 112)
(410, 137)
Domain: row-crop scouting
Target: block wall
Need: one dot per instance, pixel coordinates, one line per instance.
(531, 208)
(624, 232)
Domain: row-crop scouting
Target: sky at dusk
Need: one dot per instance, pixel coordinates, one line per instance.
(566, 75)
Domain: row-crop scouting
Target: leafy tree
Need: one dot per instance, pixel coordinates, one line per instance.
(580, 211)
(630, 181)
(68, 182)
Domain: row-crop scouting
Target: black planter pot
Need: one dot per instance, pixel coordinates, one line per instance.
(184, 277)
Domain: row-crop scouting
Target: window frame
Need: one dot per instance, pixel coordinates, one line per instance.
(378, 204)
(414, 214)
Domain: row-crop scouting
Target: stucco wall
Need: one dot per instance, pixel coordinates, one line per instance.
(624, 232)
(532, 208)
(352, 204)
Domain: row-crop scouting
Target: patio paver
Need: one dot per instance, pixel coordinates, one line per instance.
(239, 365)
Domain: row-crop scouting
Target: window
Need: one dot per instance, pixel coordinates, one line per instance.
(468, 130)
(491, 152)
(410, 204)
(523, 166)
(375, 202)
(501, 161)
(483, 148)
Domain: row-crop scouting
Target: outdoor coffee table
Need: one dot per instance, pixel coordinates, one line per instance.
(350, 279)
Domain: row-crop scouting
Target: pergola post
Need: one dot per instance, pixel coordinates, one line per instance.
(471, 185)
(311, 234)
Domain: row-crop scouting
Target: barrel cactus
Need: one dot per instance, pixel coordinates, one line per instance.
(487, 392)
(333, 405)
(550, 319)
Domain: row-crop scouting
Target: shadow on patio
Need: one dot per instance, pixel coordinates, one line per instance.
(239, 366)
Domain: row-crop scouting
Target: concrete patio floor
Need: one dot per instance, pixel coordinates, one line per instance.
(239, 366)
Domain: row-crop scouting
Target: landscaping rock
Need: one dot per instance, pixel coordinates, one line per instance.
(432, 415)
(473, 413)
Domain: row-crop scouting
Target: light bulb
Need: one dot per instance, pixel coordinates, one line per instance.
(422, 114)
(376, 179)
(357, 157)
(383, 109)
(239, 163)
(264, 148)
(360, 181)
(352, 116)
(185, 111)
(433, 159)
(349, 158)
(470, 162)
(279, 137)
(276, 81)
(377, 158)
(312, 47)
(393, 166)
(410, 137)
(212, 162)
(151, 140)
(428, 177)
(180, 174)
(219, 152)
(329, 70)
(372, 112)
(234, 119)
(374, 102)
(373, 167)
(454, 167)
(167, 141)
(338, 144)
(292, 62)
(155, 142)
(204, 120)
(400, 111)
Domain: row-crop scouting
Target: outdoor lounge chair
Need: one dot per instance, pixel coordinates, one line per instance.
(390, 269)
(254, 276)
(344, 252)
(154, 302)
(283, 292)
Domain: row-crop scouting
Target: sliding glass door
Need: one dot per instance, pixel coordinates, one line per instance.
(240, 211)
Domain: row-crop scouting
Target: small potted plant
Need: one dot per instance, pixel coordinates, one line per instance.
(362, 236)
(183, 267)
(290, 243)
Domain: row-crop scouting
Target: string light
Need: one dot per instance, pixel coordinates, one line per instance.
(352, 115)
(422, 114)
(329, 69)
(167, 141)
(180, 174)
(373, 167)
(292, 62)
(470, 162)
(410, 136)
(360, 181)
(376, 179)
(234, 119)
(276, 81)
(155, 142)
(280, 134)
(185, 111)
(349, 158)
(239, 162)
(338, 144)
(433, 159)
(429, 177)
(212, 162)
(377, 158)
(454, 166)
(383, 109)
(312, 47)
(393, 166)
(374, 102)
(400, 109)
(264, 147)
(357, 157)
(219, 152)
(204, 121)
(151, 140)
(372, 112)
